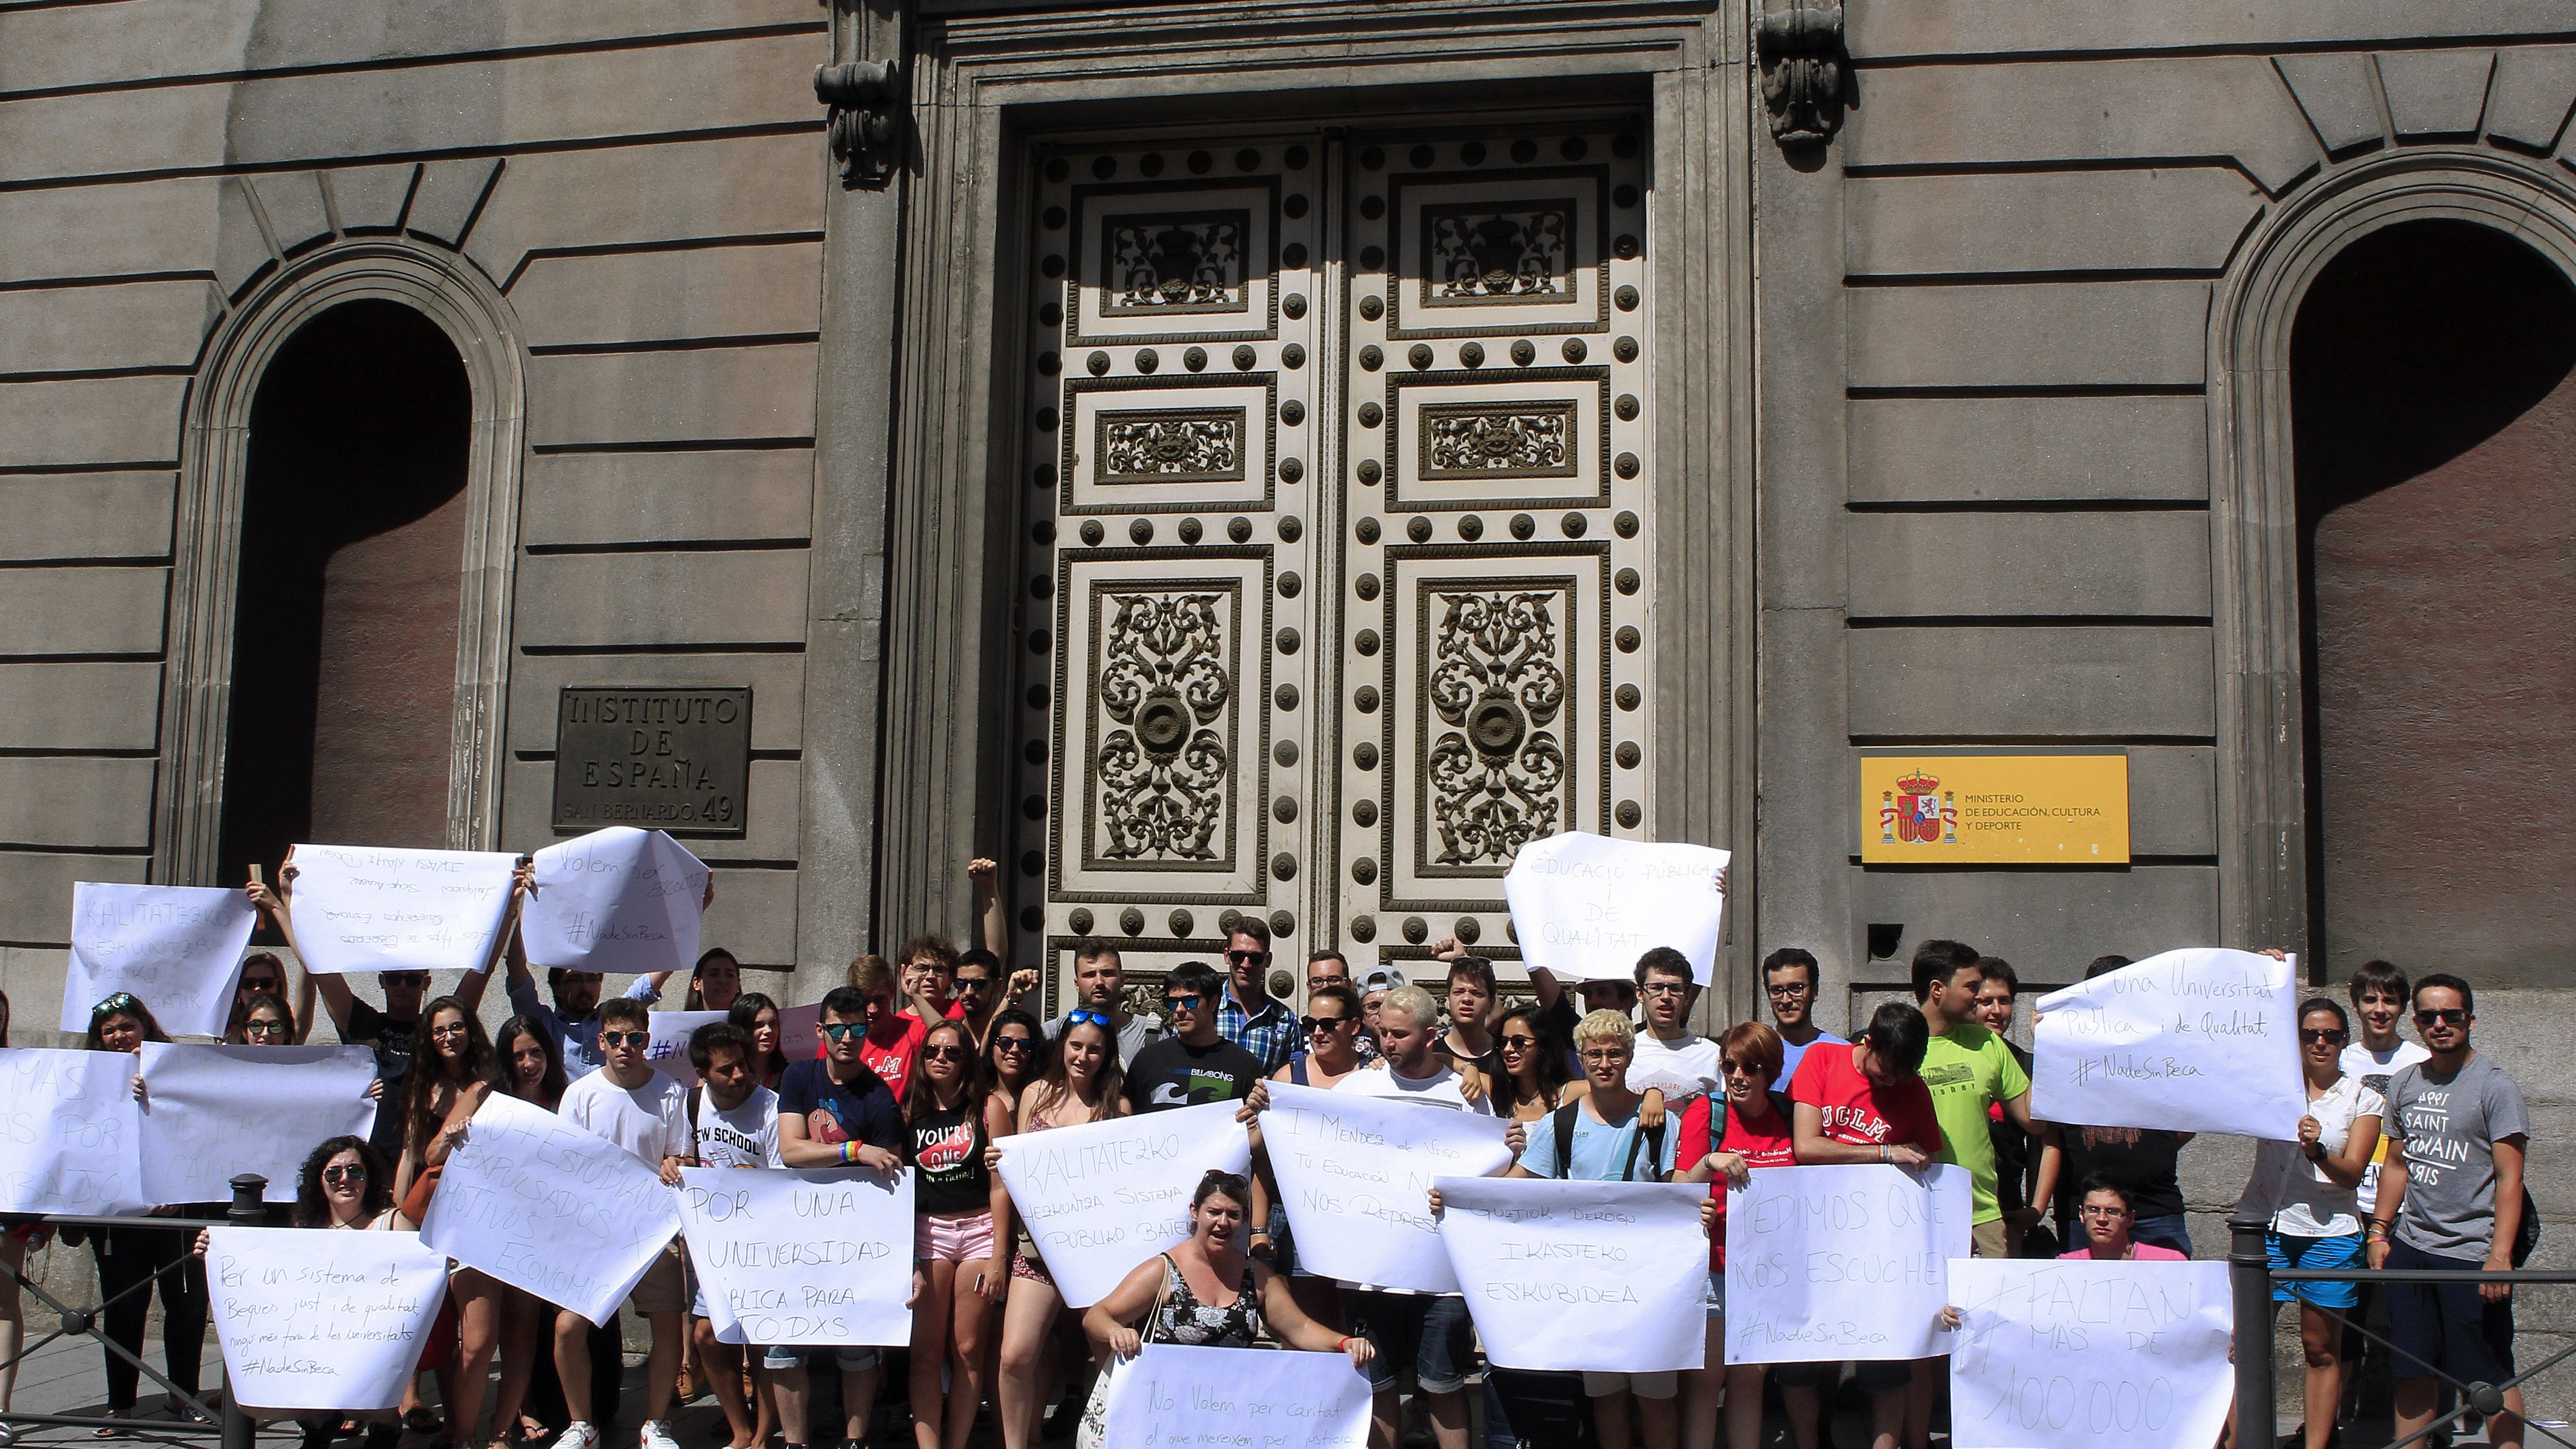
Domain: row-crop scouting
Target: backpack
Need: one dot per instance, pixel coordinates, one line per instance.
(1651, 1140)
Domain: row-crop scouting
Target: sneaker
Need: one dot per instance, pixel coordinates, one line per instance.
(578, 1435)
(656, 1434)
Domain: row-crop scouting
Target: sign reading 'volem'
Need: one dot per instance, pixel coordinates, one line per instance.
(1994, 809)
(674, 760)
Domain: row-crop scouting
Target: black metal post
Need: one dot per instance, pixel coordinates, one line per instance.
(247, 1211)
(2249, 1274)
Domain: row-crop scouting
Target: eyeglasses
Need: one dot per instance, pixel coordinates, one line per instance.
(2097, 1210)
(261, 1030)
(452, 1029)
(1246, 958)
(1184, 1000)
(338, 1174)
(1314, 1024)
(620, 1038)
(2322, 1033)
(842, 1030)
(1605, 1058)
(2446, 1016)
(1014, 1044)
(945, 1053)
(1794, 988)
(1667, 988)
(1073, 1019)
(1318, 983)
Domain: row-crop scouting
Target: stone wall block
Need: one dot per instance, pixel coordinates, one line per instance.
(110, 231)
(71, 803)
(2169, 219)
(2048, 924)
(82, 610)
(2053, 563)
(82, 329)
(2035, 682)
(622, 195)
(1961, 449)
(625, 599)
(731, 495)
(2336, 93)
(730, 291)
(86, 515)
(2436, 94)
(2533, 88)
(2125, 333)
(2173, 800)
(770, 812)
(243, 252)
(450, 192)
(85, 421)
(82, 706)
(369, 199)
(297, 215)
(698, 395)
(754, 916)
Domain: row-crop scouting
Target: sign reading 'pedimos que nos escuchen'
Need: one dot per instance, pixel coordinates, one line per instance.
(674, 760)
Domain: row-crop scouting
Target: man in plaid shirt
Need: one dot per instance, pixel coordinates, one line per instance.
(1247, 1015)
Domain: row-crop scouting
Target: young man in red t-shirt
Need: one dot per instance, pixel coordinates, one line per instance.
(894, 1037)
(1754, 1131)
(1860, 1104)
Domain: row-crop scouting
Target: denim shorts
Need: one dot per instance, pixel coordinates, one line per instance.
(2446, 1325)
(1428, 1331)
(2298, 1252)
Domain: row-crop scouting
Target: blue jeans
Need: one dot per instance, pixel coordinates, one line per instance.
(1429, 1331)
(2172, 1230)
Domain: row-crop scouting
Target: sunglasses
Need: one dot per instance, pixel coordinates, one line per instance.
(1073, 1019)
(1245, 958)
(1734, 1068)
(1520, 1043)
(254, 985)
(121, 1001)
(2446, 1016)
(1314, 1024)
(1015, 1044)
(944, 1053)
(354, 1172)
(842, 1030)
(2323, 1033)
(969, 984)
(626, 1038)
(407, 978)
(259, 1030)
(1184, 1001)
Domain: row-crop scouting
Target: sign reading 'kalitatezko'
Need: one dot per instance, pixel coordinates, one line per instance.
(1994, 809)
(675, 760)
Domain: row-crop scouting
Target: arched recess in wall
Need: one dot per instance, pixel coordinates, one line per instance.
(2258, 532)
(206, 590)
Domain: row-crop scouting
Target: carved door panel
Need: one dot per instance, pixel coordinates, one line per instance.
(1336, 561)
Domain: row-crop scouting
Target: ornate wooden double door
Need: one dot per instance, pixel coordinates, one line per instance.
(1335, 582)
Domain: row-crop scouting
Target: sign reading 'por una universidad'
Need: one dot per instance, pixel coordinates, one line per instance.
(1994, 809)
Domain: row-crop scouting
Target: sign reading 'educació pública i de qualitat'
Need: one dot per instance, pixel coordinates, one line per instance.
(674, 760)
(1994, 809)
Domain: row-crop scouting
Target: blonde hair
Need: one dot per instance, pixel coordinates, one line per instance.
(1414, 1002)
(1604, 1026)
(872, 974)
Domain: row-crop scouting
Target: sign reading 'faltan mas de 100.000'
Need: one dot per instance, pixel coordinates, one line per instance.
(1994, 809)
(676, 760)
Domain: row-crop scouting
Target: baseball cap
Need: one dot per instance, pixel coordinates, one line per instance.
(1384, 978)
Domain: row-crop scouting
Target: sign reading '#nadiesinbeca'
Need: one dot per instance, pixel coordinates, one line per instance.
(1994, 809)
(673, 760)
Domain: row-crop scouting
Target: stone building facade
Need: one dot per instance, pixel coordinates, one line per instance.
(1278, 457)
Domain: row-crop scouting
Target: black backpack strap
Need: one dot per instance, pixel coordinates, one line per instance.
(1652, 1140)
(1563, 1125)
(697, 1094)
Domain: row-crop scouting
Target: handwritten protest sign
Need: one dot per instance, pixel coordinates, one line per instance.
(1586, 906)
(669, 1048)
(177, 948)
(2111, 1355)
(1356, 1175)
(1572, 1276)
(1171, 1396)
(374, 908)
(619, 899)
(68, 1125)
(1831, 1263)
(212, 1111)
(543, 1205)
(321, 1320)
(800, 1032)
(818, 1255)
(1105, 1196)
(2203, 1040)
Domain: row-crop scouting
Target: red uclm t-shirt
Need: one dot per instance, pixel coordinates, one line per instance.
(891, 1058)
(1765, 1145)
(1860, 1112)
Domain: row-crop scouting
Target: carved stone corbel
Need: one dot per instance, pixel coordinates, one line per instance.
(868, 101)
(1804, 69)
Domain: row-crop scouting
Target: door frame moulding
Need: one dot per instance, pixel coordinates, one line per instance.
(986, 86)
(2262, 789)
(213, 479)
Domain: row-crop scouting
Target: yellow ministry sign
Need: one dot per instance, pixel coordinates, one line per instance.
(1994, 809)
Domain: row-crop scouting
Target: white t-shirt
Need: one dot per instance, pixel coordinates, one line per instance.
(2304, 1202)
(747, 1136)
(1684, 1068)
(1440, 1089)
(650, 1121)
(2374, 1069)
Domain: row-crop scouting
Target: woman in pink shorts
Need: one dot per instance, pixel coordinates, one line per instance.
(948, 1120)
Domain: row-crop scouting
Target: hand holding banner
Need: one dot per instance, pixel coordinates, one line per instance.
(212, 1111)
(69, 1123)
(1608, 1277)
(810, 1256)
(1587, 906)
(2089, 1355)
(543, 1205)
(375, 908)
(177, 948)
(2202, 1040)
(1831, 1263)
(619, 899)
(1172, 1396)
(1355, 1174)
(321, 1320)
(1105, 1196)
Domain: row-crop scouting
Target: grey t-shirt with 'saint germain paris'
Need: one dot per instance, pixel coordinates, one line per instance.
(2450, 1127)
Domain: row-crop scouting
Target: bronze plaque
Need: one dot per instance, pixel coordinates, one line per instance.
(674, 760)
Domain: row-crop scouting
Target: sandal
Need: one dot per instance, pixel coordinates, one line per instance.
(421, 1421)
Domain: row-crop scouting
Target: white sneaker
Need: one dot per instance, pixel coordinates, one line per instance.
(578, 1435)
(656, 1434)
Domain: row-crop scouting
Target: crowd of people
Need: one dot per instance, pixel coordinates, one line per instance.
(2410, 1156)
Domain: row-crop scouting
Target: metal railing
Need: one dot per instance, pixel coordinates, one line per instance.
(2250, 1276)
(226, 1420)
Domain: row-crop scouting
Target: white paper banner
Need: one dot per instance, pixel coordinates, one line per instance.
(1587, 906)
(318, 1319)
(813, 1256)
(2087, 1355)
(543, 1205)
(669, 1048)
(1105, 1196)
(1171, 1396)
(374, 908)
(1825, 1264)
(212, 1111)
(1355, 1174)
(619, 899)
(68, 1125)
(1609, 1277)
(177, 948)
(800, 1032)
(2203, 1040)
